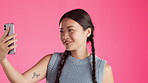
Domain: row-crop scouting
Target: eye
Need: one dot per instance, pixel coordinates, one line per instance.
(61, 31)
(70, 30)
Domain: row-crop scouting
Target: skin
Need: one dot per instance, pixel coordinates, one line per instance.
(72, 32)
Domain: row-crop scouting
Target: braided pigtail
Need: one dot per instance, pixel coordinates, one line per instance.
(61, 65)
(93, 62)
(83, 18)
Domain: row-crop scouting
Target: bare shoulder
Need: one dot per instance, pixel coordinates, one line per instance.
(108, 68)
(40, 68)
(47, 57)
(108, 74)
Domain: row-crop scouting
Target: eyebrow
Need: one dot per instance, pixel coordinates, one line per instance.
(68, 26)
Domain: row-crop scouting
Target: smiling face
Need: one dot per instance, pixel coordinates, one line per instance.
(73, 36)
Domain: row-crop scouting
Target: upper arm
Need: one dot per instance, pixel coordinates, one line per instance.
(108, 75)
(38, 71)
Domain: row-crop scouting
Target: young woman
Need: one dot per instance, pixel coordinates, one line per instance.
(75, 65)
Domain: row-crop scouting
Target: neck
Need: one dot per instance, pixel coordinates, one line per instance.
(80, 53)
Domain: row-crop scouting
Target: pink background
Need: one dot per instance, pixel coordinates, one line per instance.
(121, 33)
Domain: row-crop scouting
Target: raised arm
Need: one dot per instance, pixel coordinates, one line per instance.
(38, 72)
(34, 74)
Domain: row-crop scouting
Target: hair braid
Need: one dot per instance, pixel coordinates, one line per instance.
(61, 65)
(93, 62)
(83, 18)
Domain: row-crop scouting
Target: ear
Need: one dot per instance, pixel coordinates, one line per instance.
(88, 32)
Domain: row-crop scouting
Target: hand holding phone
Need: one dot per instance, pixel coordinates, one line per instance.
(11, 31)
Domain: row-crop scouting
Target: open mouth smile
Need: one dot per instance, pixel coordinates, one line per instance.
(67, 42)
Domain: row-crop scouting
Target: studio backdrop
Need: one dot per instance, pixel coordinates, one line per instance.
(121, 33)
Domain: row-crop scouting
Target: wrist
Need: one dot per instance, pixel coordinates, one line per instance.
(3, 60)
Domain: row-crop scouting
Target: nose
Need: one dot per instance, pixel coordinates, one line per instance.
(65, 35)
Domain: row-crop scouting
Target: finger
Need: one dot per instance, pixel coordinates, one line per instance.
(12, 47)
(6, 33)
(10, 42)
(9, 37)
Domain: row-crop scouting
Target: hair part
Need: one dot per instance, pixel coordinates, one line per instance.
(83, 18)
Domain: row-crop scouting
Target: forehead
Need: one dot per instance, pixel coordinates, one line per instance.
(66, 22)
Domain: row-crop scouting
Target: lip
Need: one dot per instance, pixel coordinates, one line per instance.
(67, 42)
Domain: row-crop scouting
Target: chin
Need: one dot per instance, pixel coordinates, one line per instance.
(69, 49)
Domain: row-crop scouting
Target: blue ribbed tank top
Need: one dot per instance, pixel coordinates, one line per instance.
(75, 70)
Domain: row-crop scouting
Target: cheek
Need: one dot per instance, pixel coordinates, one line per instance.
(61, 37)
(78, 37)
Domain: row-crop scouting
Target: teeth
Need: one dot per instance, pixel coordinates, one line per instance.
(67, 42)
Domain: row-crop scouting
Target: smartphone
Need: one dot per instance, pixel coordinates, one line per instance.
(11, 31)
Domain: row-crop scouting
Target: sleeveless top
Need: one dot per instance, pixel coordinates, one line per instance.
(74, 70)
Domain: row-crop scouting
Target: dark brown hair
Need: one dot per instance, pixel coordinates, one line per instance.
(83, 18)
